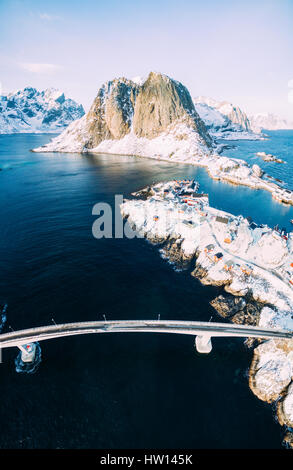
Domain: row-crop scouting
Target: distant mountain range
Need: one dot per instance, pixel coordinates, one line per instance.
(227, 121)
(270, 122)
(30, 110)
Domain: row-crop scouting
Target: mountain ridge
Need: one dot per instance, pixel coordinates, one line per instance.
(30, 110)
(270, 122)
(225, 120)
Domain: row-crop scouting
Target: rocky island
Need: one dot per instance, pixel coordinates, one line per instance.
(253, 263)
(268, 157)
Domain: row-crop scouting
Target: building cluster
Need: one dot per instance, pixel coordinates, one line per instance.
(233, 245)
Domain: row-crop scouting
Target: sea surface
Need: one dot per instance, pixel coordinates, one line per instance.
(277, 143)
(118, 391)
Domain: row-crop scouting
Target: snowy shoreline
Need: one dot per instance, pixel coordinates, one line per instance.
(253, 263)
(176, 145)
(230, 170)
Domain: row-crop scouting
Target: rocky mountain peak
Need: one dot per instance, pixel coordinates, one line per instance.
(139, 109)
(162, 101)
(110, 115)
(148, 109)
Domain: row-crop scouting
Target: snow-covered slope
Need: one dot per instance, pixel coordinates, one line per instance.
(30, 110)
(155, 118)
(268, 121)
(224, 120)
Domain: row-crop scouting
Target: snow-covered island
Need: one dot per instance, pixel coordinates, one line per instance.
(253, 263)
(157, 119)
(33, 111)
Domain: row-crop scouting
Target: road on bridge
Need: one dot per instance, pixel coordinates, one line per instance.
(207, 329)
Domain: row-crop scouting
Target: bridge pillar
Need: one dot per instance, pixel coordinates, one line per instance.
(203, 344)
(28, 358)
(28, 352)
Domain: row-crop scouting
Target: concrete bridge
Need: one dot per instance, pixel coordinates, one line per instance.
(203, 331)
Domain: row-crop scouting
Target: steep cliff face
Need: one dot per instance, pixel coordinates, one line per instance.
(162, 102)
(236, 115)
(111, 113)
(136, 114)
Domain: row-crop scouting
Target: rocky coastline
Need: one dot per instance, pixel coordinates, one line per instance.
(268, 157)
(248, 261)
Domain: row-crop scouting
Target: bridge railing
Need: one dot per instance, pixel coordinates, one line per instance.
(193, 328)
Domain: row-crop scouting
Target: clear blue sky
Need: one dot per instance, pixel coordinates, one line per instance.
(240, 51)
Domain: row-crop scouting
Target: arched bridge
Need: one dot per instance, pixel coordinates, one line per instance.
(203, 331)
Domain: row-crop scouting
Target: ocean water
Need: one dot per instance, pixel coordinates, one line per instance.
(277, 143)
(116, 391)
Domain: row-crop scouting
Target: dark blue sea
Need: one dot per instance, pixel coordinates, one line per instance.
(130, 390)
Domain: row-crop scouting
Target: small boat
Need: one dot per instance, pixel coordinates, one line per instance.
(291, 221)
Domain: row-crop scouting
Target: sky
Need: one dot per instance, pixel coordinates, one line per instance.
(230, 50)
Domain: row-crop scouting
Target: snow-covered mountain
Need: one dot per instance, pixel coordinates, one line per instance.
(30, 110)
(224, 120)
(155, 117)
(269, 121)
